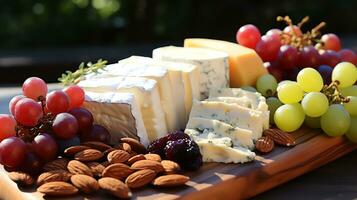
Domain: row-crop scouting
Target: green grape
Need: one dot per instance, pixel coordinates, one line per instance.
(267, 85)
(249, 88)
(273, 104)
(345, 73)
(314, 104)
(336, 121)
(351, 105)
(280, 84)
(312, 122)
(349, 91)
(289, 117)
(290, 92)
(352, 131)
(310, 80)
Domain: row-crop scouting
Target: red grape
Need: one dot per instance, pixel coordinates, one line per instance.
(45, 147)
(248, 36)
(309, 57)
(326, 72)
(57, 102)
(65, 126)
(97, 133)
(330, 58)
(12, 151)
(8, 126)
(274, 70)
(31, 164)
(268, 48)
(84, 118)
(34, 87)
(275, 33)
(296, 30)
(331, 42)
(348, 55)
(13, 103)
(76, 96)
(28, 112)
(288, 57)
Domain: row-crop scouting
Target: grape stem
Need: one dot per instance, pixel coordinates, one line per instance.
(333, 94)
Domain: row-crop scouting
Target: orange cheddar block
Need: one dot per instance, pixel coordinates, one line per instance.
(245, 66)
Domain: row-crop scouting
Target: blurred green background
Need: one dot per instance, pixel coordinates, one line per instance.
(51, 36)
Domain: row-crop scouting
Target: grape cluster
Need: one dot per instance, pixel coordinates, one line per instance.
(285, 52)
(41, 125)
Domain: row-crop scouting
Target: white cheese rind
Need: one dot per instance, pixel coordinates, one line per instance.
(146, 94)
(232, 114)
(119, 113)
(253, 100)
(239, 137)
(213, 65)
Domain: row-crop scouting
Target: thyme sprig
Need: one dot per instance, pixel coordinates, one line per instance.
(69, 77)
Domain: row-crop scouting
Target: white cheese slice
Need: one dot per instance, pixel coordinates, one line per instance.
(119, 113)
(253, 100)
(161, 75)
(213, 65)
(190, 78)
(232, 114)
(239, 137)
(146, 94)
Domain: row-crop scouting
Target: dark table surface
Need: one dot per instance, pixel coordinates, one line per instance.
(336, 180)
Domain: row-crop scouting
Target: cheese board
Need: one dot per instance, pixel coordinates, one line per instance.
(313, 150)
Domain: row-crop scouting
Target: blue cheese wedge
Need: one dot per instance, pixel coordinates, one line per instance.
(217, 129)
(146, 93)
(213, 65)
(119, 113)
(236, 116)
(252, 100)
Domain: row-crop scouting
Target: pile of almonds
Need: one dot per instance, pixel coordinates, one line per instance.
(94, 165)
(273, 136)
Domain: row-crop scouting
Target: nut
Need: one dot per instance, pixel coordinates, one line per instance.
(136, 158)
(140, 178)
(85, 183)
(97, 145)
(57, 188)
(88, 155)
(153, 156)
(264, 144)
(115, 187)
(118, 170)
(77, 167)
(280, 137)
(55, 175)
(148, 164)
(96, 168)
(170, 180)
(21, 178)
(135, 145)
(70, 151)
(57, 164)
(170, 166)
(118, 156)
(124, 146)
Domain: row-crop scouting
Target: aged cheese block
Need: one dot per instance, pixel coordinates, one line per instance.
(119, 113)
(213, 65)
(245, 64)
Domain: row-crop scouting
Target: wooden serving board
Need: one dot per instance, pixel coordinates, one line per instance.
(242, 181)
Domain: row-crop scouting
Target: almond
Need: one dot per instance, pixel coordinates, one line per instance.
(96, 168)
(124, 146)
(280, 137)
(77, 167)
(170, 180)
(57, 188)
(118, 171)
(134, 144)
(88, 155)
(140, 178)
(264, 144)
(55, 175)
(97, 145)
(133, 153)
(21, 178)
(148, 164)
(118, 156)
(105, 163)
(153, 156)
(170, 167)
(108, 151)
(85, 183)
(136, 158)
(57, 164)
(115, 187)
(70, 151)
